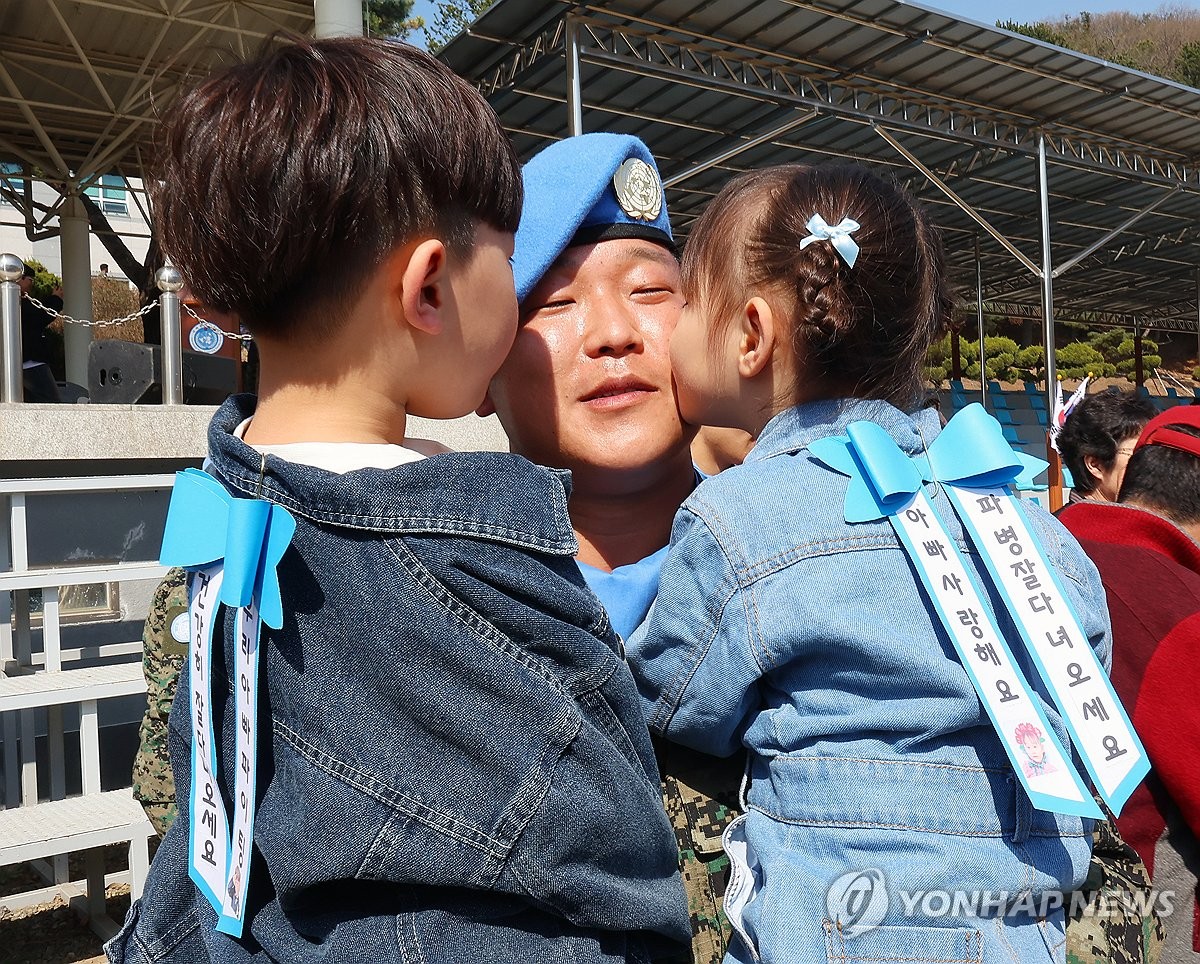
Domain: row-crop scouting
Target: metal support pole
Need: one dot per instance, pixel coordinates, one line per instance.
(169, 281)
(1047, 274)
(338, 18)
(75, 242)
(979, 321)
(574, 94)
(11, 270)
(1054, 475)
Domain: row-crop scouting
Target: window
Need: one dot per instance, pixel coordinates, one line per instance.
(16, 183)
(98, 602)
(110, 194)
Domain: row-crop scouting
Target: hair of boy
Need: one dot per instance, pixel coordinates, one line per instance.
(867, 328)
(1164, 478)
(285, 181)
(1096, 427)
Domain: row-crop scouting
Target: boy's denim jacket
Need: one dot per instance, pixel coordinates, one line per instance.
(809, 640)
(453, 761)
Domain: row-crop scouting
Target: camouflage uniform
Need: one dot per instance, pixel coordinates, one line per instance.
(1120, 935)
(163, 657)
(700, 793)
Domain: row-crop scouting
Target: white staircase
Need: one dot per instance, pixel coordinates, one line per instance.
(43, 832)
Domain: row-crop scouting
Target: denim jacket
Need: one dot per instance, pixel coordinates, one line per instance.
(809, 640)
(453, 762)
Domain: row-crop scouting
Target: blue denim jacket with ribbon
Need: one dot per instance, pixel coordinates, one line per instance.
(782, 627)
(453, 761)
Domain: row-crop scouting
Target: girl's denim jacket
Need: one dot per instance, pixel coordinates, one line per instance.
(809, 640)
(453, 761)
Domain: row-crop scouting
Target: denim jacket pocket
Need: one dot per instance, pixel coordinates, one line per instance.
(915, 945)
(136, 943)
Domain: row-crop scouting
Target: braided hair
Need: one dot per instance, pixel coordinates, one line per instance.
(862, 331)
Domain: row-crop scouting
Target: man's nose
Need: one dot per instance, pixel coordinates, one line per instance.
(612, 329)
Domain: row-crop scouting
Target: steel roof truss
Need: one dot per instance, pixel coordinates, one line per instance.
(961, 204)
(741, 147)
(1119, 229)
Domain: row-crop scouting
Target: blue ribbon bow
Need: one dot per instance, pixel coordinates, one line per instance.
(970, 451)
(205, 524)
(837, 234)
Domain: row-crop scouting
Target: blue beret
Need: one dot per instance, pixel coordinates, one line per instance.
(585, 189)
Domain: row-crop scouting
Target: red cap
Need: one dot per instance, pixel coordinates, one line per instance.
(1158, 430)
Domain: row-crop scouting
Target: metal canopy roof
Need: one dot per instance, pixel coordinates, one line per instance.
(82, 81)
(895, 84)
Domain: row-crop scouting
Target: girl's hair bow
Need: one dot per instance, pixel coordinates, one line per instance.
(838, 234)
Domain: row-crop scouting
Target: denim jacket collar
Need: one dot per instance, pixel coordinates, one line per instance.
(794, 428)
(453, 493)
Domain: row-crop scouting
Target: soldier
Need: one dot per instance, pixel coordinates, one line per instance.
(164, 649)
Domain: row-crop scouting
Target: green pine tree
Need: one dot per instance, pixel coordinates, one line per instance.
(391, 18)
(451, 19)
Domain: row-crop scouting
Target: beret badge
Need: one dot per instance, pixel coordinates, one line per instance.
(638, 190)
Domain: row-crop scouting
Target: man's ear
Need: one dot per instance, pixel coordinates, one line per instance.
(422, 282)
(1094, 466)
(758, 337)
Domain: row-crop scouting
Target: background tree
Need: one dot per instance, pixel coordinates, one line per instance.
(391, 18)
(1165, 42)
(451, 17)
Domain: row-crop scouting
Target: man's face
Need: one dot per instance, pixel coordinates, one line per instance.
(587, 385)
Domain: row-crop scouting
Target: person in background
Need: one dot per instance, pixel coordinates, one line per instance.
(1097, 440)
(1149, 560)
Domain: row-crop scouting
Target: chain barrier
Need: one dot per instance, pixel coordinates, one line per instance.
(111, 322)
(67, 319)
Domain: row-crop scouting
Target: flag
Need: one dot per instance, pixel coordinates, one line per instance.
(1061, 411)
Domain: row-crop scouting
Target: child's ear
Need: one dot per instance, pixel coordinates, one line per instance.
(423, 285)
(486, 407)
(758, 337)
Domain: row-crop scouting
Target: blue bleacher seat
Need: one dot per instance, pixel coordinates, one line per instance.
(997, 399)
(1010, 434)
(1004, 416)
(956, 385)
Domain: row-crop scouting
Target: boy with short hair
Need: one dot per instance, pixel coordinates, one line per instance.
(448, 761)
